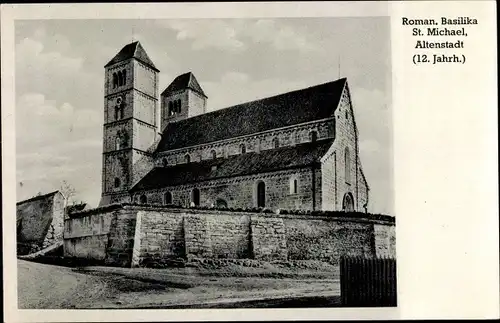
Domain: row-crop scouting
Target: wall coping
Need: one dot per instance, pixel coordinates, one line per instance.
(349, 217)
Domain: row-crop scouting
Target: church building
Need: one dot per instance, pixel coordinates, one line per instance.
(296, 151)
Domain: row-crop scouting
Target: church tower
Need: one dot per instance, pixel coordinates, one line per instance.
(130, 114)
(182, 99)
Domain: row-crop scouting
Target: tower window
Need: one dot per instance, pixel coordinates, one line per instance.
(276, 142)
(118, 143)
(213, 154)
(346, 115)
(313, 136)
(117, 182)
(347, 161)
(115, 80)
(124, 77)
(187, 158)
(243, 148)
(167, 198)
(143, 199)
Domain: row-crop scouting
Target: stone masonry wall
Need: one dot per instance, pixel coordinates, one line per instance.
(268, 238)
(241, 192)
(327, 240)
(253, 143)
(145, 235)
(39, 222)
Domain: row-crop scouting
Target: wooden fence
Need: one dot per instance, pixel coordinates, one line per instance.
(368, 282)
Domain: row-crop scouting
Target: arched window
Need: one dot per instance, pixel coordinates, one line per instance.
(117, 182)
(187, 158)
(120, 78)
(143, 199)
(178, 106)
(294, 185)
(313, 136)
(115, 81)
(276, 142)
(243, 148)
(221, 203)
(346, 115)
(164, 162)
(118, 143)
(117, 111)
(347, 165)
(213, 154)
(348, 203)
(124, 77)
(195, 197)
(261, 194)
(167, 198)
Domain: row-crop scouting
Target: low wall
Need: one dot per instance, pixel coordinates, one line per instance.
(143, 235)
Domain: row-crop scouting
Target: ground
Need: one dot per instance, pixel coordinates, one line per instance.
(43, 286)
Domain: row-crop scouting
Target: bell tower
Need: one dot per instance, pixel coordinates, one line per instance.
(130, 119)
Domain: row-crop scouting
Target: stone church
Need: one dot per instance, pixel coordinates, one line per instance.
(296, 151)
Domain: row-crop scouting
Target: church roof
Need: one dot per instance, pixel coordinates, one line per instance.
(133, 50)
(313, 103)
(301, 155)
(182, 82)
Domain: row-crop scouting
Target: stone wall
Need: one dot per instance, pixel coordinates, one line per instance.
(253, 143)
(134, 235)
(39, 222)
(241, 192)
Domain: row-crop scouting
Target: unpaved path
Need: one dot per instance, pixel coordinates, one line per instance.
(48, 286)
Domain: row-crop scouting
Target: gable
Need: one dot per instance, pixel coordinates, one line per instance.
(310, 104)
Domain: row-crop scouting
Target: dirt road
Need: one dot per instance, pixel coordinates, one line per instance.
(52, 287)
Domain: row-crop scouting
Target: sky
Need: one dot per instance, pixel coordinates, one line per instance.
(59, 66)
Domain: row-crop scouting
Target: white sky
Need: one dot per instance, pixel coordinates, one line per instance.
(60, 80)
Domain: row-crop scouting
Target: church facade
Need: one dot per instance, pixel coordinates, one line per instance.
(298, 150)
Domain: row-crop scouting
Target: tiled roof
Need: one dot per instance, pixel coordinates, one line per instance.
(184, 81)
(301, 155)
(133, 50)
(313, 103)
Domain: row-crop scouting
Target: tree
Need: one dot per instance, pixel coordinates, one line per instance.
(68, 191)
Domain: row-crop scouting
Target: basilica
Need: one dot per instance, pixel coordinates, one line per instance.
(297, 150)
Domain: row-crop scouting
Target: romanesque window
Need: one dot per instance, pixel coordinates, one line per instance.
(170, 108)
(313, 136)
(195, 197)
(178, 106)
(124, 77)
(261, 194)
(276, 142)
(221, 203)
(187, 158)
(115, 80)
(294, 185)
(143, 199)
(118, 143)
(164, 162)
(117, 182)
(348, 203)
(243, 148)
(213, 154)
(347, 165)
(167, 198)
